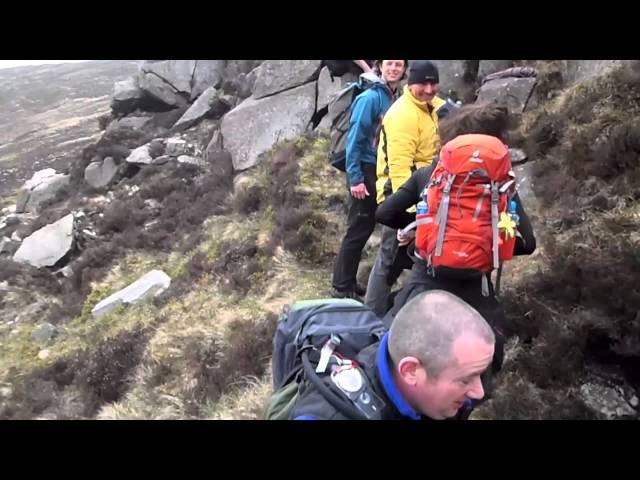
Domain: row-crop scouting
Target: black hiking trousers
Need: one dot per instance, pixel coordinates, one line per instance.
(361, 223)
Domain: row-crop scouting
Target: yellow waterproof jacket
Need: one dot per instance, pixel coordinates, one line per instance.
(409, 140)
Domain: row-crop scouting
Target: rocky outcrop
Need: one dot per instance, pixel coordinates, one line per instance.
(161, 85)
(255, 125)
(524, 177)
(129, 123)
(168, 81)
(240, 78)
(518, 156)
(211, 103)
(276, 76)
(207, 74)
(127, 94)
(610, 402)
(487, 67)
(216, 88)
(151, 284)
(41, 188)
(514, 92)
(48, 245)
(327, 88)
(235, 68)
(198, 110)
(454, 77)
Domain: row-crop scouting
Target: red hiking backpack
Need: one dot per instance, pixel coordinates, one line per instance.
(470, 188)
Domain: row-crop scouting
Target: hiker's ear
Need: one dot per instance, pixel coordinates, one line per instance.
(409, 370)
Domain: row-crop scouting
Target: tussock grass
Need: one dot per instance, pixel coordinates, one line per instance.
(574, 306)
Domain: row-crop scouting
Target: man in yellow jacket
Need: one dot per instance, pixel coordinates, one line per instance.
(409, 140)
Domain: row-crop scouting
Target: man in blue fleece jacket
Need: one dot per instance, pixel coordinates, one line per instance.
(367, 112)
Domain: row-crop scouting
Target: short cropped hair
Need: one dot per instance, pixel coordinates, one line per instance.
(427, 326)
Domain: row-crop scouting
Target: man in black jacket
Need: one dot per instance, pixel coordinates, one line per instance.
(427, 367)
(484, 118)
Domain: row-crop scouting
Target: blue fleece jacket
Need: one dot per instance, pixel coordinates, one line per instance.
(366, 117)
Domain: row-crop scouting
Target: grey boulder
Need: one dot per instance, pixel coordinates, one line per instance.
(200, 108)
(452, 76)
(140, 155)
(524, 177)
(514, 92)
(126, 95)
(46, 246)
(327, 88)
(606, 401)
(207, 74)
(42, 187)
(487, 67)
(279, 75)
(254, 126)
(168, 81)
(101, 174)
(151, 284)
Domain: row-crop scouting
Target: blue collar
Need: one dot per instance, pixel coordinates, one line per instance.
(388, 384)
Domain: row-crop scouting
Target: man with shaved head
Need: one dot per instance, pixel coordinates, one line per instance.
(427, 367)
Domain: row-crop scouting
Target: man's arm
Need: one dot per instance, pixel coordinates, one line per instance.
(363, 65)
(393, 211)
(358, 136)
(527, 244)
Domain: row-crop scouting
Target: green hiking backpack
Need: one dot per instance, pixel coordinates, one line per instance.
(304, 329)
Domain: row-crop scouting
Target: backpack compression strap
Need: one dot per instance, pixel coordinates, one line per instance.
(494, 223)
(442, 214)
(485, 192)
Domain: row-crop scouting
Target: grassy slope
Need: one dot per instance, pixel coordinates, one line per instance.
(201, 350)
(197, 350)
(574, 307)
